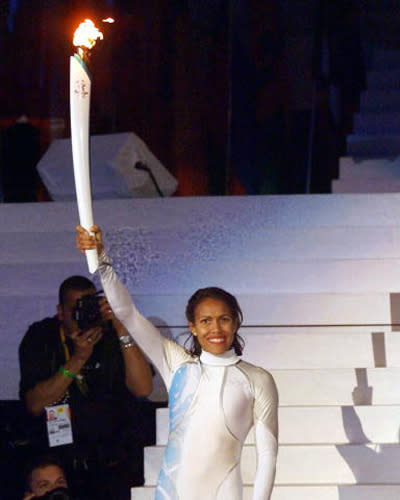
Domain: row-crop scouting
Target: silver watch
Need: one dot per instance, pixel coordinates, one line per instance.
(126, 341)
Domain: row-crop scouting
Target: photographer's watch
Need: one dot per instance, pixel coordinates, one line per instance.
(126, 341)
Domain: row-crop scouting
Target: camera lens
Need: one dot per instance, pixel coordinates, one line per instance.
(58, 494)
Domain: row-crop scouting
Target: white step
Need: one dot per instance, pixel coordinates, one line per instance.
(40, 277)
(373, 146)
(309, 309)
(380, 100)
(276, 310)
(317, 347)
(384, 79)
(302, 276)
(377, 123)
(311, 465)
(323, 425)
(366, 185)
(38, 247)
(313, 350)
(338, 387)
(292, 308)
(342, 492)
(273, 242)
(383, 5)
(172, 213)
(353, 492)
(384, 59)
(388, 168)
(339, 275)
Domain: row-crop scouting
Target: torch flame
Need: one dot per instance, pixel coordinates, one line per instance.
(109, 20)
(86, 35)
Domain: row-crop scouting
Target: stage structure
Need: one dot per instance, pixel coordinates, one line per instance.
(113, 159)
(318, 280)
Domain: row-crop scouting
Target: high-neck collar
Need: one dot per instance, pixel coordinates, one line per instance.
(225, 359)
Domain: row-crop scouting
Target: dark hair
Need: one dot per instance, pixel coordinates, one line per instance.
(74, 283)
(213, 292)
(39, 462)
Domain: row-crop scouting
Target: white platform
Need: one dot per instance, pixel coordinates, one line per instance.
(299, 425)
(388, 168)
(387, 78)
(377, 123)
(373, 148)
(381, 100)
(318, 279)
(353, 492)
(316, 464)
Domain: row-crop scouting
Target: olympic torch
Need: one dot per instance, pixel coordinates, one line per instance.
(80, 87)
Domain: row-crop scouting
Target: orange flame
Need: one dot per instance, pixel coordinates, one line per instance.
(86, 35)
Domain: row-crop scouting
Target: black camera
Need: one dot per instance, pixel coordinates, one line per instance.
(57, 494)
(87, 311)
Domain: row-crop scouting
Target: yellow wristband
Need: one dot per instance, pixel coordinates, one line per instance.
(67, 373)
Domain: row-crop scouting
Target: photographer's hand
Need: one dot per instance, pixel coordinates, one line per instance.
(29, 496)
(138, 376)
(84, 342)
(54, 388)
(107, 314)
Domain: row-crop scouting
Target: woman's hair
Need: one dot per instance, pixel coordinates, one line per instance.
(214, 292)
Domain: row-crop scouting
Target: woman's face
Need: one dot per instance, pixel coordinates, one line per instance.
(214, 326)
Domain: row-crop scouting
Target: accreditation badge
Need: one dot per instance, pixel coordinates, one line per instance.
(59, 428)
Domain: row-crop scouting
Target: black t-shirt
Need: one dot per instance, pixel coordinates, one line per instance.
(108, 409)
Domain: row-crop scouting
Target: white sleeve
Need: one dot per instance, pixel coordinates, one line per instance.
(148, 337)
(266, 435)
(267, 451)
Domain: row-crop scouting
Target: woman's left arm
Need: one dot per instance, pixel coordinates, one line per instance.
(266, 435)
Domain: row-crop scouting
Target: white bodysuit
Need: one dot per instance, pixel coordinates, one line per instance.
(214, 400)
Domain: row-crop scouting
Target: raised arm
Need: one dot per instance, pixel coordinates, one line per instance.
(266, 435)
(144, 333)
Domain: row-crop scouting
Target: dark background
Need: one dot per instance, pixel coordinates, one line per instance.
(220, 90)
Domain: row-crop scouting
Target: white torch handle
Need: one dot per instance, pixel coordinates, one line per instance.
(80, 85)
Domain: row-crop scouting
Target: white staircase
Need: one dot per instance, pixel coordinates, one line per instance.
(339, 423)
(373, 161)
(318, 280)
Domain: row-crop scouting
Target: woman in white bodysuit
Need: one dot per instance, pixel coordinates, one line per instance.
(215, 398)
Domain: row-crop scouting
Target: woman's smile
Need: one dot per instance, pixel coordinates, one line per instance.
(214, 326)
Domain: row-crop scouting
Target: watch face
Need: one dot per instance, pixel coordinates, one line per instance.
(125, 339)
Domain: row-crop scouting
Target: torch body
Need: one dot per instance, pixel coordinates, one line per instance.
(80, 87)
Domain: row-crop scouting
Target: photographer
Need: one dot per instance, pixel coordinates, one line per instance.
(79, 371)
